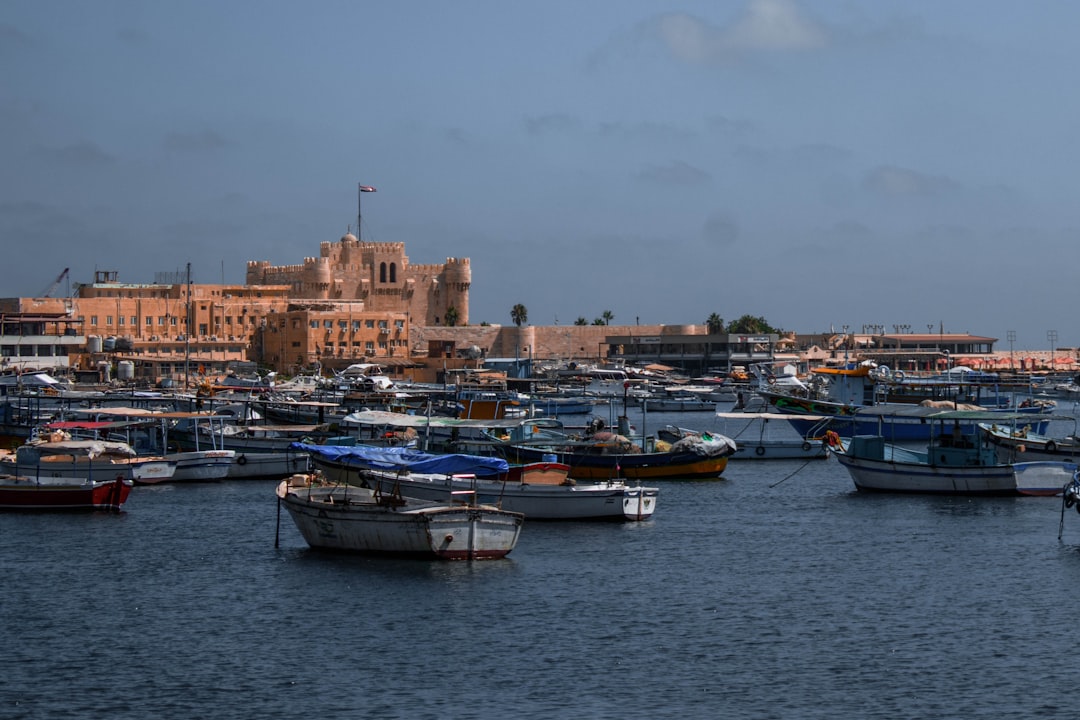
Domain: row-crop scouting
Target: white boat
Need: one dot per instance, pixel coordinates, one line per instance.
(87, 459)
(1021, 442)
(342, 517)
(541, 491)
(954, 463)
(768, 436)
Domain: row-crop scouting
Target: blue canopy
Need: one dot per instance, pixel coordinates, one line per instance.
(397, 458)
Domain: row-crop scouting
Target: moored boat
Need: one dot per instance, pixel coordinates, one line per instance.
(602, 455)
(954, 462)
(334, 516)
(30, 492)
(540, 490)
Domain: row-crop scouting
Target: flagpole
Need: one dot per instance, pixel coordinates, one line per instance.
(360, 190)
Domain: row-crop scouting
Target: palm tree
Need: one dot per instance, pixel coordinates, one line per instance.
(608, 316)
(715, 323)
(519, 314)
(581, 321)
(451, 316)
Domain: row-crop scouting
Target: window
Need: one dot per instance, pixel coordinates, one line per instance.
(314, 324)
(172, 321)
(342, 324)
(120, 320)
(369, 323)
(134, 321)
(108, 319)
(393, 272)
(382, 272)
(93, 320)
(369, 347)
(149, 321)
(161, 321)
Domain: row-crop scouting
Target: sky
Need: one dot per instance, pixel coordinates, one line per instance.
(902, 163)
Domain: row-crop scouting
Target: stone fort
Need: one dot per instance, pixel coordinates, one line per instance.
(377, 274)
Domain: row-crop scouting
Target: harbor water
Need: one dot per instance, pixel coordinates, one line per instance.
(775, 592)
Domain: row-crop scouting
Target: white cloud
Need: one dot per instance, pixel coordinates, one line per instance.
(775, 25)
(765, 25)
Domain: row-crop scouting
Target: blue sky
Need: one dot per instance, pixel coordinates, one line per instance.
(818, 164)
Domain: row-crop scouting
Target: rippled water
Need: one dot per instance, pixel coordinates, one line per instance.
(777, 592)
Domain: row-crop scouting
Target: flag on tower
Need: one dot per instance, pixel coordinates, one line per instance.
(366, 188)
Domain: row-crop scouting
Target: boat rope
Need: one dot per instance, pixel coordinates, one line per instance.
(792, 474)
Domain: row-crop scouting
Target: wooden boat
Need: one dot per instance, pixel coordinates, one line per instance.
(758, 438)
(601, 455)
(86, 459)
(540, 490)
(31, 492)
(1023, 442)
(955, 462)
(335, 516)
(850, 393)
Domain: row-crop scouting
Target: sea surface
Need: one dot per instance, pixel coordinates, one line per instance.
(775, 592)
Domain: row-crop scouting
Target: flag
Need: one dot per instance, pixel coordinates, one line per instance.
(366, 188)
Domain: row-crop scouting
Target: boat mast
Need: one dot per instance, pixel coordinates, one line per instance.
(187, 332)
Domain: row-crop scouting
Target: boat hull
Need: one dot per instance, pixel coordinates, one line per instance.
(27, 493)
(330, 518)
(639, 466)
(900, 477)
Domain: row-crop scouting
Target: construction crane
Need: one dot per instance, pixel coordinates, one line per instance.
(59, 279)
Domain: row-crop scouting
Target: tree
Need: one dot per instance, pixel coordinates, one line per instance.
(451, 316)
(750, 324)
(715, 323)
(581, 321)
(607, 316)
(519, 314)
(598, 321)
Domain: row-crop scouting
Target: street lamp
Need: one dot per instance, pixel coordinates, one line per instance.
(1011, 336)
(1052, 336)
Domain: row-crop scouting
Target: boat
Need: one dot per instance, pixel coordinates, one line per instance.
(1023, 442)
(85, 459)
(341, 517)
(758, 438)
(541, 491)
(34, 492)
(954, 462)
(603, 455)
(850, 394)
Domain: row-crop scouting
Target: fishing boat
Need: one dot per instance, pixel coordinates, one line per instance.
(85, 459)
(1023, 442)
(33, 492)
(336, 516)
(602, 455)
(862, 399)
(955, 462)
(541, 491)
(767, 436)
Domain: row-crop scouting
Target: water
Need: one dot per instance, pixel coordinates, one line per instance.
(778, 592)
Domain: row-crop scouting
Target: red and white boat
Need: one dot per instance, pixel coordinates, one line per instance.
(25, 492)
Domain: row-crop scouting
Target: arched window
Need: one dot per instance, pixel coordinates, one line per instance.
(382, 272)
(393, 272)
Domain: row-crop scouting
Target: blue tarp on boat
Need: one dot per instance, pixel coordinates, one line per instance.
(396, 458)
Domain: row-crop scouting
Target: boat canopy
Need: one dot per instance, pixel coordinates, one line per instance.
(392, 419)
(398, 458)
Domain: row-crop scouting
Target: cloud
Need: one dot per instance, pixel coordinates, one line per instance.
(77, 155)
(765, 25)
(552, 123)
(775, 25)
(720, 230)
(893, 181)
(674, 173)
(201, 141)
